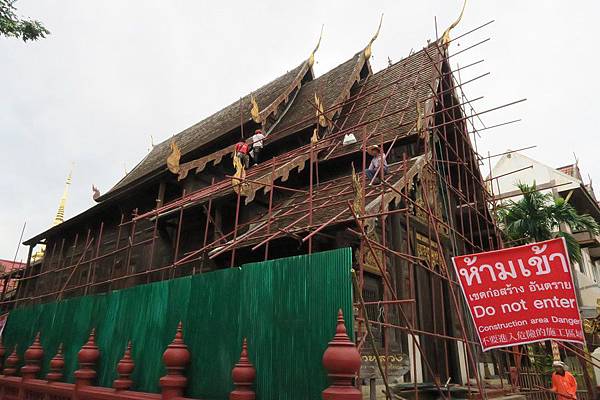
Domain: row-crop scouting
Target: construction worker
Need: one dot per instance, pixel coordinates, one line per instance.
(563, 382)
(257, 145)
(241, 151)
(374, 167)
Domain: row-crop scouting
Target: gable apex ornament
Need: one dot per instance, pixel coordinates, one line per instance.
(367, 51)
(311, 57)
(446, 34)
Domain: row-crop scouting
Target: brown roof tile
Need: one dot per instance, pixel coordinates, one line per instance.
(206, 130)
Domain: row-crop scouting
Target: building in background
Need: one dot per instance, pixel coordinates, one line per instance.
(565, 182)
(10, 271)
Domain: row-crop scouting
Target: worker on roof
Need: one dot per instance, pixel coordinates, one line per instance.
(373, 173)
(257, 145)
(241, 152)
(563, 382)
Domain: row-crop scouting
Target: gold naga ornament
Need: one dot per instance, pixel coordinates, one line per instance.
(315, 136)
(358, 202)
(237, 182)
(254, 111)
(446, 34)
(173, 158)
(419, 122)
(311, 57)
(367, 52)
(320, 113)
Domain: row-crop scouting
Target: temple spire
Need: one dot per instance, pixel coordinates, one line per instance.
(60, 213)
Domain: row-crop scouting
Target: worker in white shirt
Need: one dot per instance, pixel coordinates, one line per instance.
(377, 162)
(257, 145)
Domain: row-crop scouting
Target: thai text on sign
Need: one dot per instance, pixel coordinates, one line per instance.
(521, 294)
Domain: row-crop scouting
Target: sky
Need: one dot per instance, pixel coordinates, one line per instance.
(115, 75)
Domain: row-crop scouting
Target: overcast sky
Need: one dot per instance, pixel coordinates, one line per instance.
(113, 73)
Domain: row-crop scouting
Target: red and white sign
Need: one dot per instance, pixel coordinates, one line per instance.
(521, 294)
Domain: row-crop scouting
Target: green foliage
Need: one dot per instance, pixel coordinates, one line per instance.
(13, 26)
(537, 216)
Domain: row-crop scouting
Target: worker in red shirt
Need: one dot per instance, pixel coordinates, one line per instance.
(563, 382)
(241, 151)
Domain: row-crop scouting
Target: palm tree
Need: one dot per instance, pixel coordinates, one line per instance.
(537, 216)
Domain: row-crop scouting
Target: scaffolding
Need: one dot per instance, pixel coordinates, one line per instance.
(429, 206)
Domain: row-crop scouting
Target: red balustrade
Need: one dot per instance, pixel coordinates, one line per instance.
(243, 375)
(125, 367)
(341, 360)
(175, 357)
(57, 364)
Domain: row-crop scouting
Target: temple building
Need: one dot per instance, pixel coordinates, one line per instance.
(190, 207)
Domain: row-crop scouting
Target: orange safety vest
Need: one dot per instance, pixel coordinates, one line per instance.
(564, 385)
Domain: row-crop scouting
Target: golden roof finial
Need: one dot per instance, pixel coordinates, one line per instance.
(446, 34)
(60, 213)
(367, 51)
(311, 58)
(254, 111)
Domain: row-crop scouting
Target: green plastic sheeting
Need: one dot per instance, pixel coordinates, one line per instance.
(287, 308)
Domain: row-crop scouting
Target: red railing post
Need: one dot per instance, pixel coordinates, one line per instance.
(87, 357)
(33, 359)
(342, 362)
(243, 375)
(175, 357)
(57, 364)
(10, 365)
(125, 368)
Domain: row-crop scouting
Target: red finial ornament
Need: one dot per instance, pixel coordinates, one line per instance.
(33, 359)
(243, 375)
(342, 362)
(175, 357)
(2, 353)
(125, 368)
(57, 364)
(10, 365)
(87, 357)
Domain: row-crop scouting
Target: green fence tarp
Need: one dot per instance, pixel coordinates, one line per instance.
(287, 308)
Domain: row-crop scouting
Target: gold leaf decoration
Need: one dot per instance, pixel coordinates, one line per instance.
(446, 34)
(173, 158)
(319, 112)
(311, 57)
(254, 111)
(367, 51)
(237, 182)
(357, 204)
(315, 136)
(419, 122)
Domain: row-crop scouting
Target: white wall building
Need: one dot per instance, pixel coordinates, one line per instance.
(565, 182)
